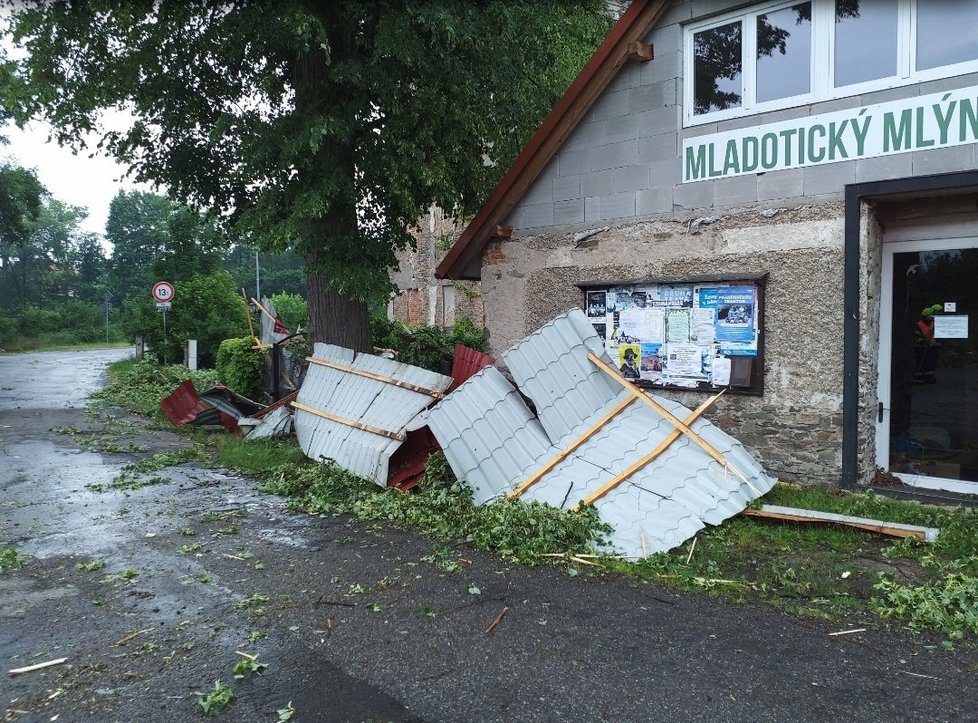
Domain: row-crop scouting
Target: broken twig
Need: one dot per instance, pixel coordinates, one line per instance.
(38, 666)
(497, 620)
(849, 632)
(131, 636)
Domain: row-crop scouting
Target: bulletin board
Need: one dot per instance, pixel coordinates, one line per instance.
(702, 334)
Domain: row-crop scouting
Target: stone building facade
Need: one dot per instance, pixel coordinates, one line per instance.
(423, 299)
(845, 188)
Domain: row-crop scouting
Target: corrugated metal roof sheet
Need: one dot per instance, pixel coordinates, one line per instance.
(488, 434)
(493, 441)
(363, 400)
(466, 361)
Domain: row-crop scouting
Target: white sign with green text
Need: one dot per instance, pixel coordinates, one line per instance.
(920, 123)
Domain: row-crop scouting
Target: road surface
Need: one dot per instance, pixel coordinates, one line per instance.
(353, 623)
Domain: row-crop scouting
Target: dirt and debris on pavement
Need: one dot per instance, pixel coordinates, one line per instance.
(361, 622)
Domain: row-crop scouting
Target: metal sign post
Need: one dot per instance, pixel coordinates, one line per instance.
(163, 293)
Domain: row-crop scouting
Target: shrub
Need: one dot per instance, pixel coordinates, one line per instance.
(240, 366)
(430, 347)
(292, 309)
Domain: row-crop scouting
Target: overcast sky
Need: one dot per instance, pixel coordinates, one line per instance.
(75, 179)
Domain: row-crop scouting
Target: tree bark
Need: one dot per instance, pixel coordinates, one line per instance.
(336, 318)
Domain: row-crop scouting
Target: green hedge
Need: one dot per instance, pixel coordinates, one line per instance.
(241, 367)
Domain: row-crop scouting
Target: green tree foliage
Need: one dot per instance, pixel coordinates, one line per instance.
(291, 309)
(205, 308)
(323, 127)
(51, 259)
(430, 347)
(240, 366)
(280, 273)
(152, 238)
(21, 201)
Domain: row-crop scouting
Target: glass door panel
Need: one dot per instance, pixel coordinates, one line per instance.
(933, 424)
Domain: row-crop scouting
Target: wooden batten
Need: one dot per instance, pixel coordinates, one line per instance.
(557, 459)
(376, 377)
(670, 417)
(650, 457)
(349, 422)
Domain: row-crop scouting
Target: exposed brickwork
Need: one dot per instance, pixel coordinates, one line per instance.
(423, 298)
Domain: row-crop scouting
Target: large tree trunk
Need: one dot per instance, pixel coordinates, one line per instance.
(336, 318)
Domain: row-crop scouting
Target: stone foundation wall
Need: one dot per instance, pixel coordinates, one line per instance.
(795, 428)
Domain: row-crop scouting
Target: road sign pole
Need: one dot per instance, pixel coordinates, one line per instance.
(164, 337)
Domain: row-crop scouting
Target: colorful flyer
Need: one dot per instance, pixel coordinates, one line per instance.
(629, 356)
(651, 366)
(735, 314)
(677, 326)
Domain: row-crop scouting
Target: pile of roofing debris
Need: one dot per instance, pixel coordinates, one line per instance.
(656, 471)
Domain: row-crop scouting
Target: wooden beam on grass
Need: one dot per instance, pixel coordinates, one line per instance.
(557, 459)
(669, 416)
(350, 422)
(891, 529)
(376, 377)
(647, 459)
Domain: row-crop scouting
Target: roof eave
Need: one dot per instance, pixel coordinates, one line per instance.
(462, 260)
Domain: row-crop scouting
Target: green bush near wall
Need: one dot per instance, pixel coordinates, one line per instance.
(241, 367)
(430, 347)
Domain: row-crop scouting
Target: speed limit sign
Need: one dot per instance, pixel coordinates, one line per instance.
(163, 291)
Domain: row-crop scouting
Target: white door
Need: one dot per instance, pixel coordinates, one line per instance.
(927, 422)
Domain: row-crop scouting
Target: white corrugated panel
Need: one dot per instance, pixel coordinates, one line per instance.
(488, 434)
(493, 442)
(360, 399)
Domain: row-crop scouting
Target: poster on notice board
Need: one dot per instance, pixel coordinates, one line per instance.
(676, 335)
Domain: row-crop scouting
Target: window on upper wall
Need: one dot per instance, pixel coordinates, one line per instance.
(779, 55)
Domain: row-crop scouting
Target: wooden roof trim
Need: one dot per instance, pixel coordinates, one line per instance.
(613, 52)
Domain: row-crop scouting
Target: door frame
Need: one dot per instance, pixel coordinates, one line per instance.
(857, 196)
(945, 240)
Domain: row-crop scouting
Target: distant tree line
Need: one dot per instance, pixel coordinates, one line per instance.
(57, 280)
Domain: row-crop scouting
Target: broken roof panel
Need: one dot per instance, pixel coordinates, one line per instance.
(488, 434)
(493, 441)
(353, 409)
(551, 367)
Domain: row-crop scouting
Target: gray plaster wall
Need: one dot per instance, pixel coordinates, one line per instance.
(623, 160)
(795, 427)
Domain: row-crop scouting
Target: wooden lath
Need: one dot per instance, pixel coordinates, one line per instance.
(350, 422)
(557, 459)
(376, 377)
(650, 457)
(670, 417)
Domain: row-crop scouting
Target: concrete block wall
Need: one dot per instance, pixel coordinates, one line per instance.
(623, 160)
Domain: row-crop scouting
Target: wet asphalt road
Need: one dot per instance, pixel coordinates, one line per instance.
(351, 620)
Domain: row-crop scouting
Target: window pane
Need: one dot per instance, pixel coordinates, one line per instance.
(865, 40)
(784, 53)
(947, 32)
(717, 68)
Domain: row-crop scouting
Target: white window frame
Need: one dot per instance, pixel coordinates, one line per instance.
(823, 57)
